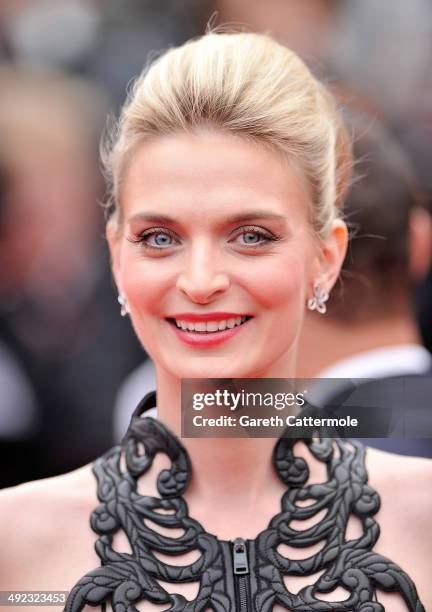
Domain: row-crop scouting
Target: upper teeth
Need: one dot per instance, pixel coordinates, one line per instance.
(210, 326)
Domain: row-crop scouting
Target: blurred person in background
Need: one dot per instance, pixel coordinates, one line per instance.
(339, 39)
(60, 318)
(398, 36)
(58, 311)
(424, 307)
(370, 329)
(415, 134)
(18, 409)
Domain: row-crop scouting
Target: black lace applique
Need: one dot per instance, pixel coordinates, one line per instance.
(246, 575)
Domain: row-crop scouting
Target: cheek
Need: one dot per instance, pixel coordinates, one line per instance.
(145, 283)
(277, 282)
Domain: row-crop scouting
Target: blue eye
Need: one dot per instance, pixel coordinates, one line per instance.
(252, 237)
(161, 239)
(155, 238)
(255, 236)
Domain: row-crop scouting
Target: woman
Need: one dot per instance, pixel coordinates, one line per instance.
(228, 170)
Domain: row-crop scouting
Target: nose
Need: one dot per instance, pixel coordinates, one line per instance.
(201, 280)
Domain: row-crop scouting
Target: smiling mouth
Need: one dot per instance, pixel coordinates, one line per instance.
(208, 327)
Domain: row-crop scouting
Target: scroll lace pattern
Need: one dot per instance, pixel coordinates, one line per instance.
(127, 578)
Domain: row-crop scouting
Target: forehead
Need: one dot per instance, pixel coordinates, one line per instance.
(210, 175)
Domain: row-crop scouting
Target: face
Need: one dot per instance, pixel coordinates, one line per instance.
(215, 234)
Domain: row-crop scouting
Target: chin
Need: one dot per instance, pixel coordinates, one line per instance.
(217, 370)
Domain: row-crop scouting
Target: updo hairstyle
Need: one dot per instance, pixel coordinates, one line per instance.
(243, 84)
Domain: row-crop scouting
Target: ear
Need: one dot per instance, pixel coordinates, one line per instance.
(420, 242)
(113, 239)
(332, 251)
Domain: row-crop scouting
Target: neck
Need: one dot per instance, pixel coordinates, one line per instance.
(326, 341)
(228, 469)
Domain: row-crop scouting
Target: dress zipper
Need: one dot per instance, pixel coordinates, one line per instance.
(241, 569)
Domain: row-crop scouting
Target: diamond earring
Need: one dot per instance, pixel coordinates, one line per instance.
(320, 297)
(124, 310)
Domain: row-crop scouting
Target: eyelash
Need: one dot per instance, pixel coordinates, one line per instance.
(140, 239)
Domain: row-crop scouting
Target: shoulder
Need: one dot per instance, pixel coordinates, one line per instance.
(398, 475)
(404, 485)
(44, 515)
(68, 489)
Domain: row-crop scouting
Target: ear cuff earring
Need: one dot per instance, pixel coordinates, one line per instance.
(320, 297)
(124, 309)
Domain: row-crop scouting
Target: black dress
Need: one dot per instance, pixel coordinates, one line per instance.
(241, 575)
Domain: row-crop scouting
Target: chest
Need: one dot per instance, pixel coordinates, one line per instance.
(329, 543)
(236, 575)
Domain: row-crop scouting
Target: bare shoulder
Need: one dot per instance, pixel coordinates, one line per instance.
(49, 515)
(404, 485)
(402, 479)
(44, 499)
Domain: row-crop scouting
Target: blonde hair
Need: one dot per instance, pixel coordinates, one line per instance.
(247, 85)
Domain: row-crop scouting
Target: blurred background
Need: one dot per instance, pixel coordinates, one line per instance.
(71, 368)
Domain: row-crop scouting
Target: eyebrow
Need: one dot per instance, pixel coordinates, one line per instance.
(235, 218)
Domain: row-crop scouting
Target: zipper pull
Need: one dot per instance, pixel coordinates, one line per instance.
(240, 560)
